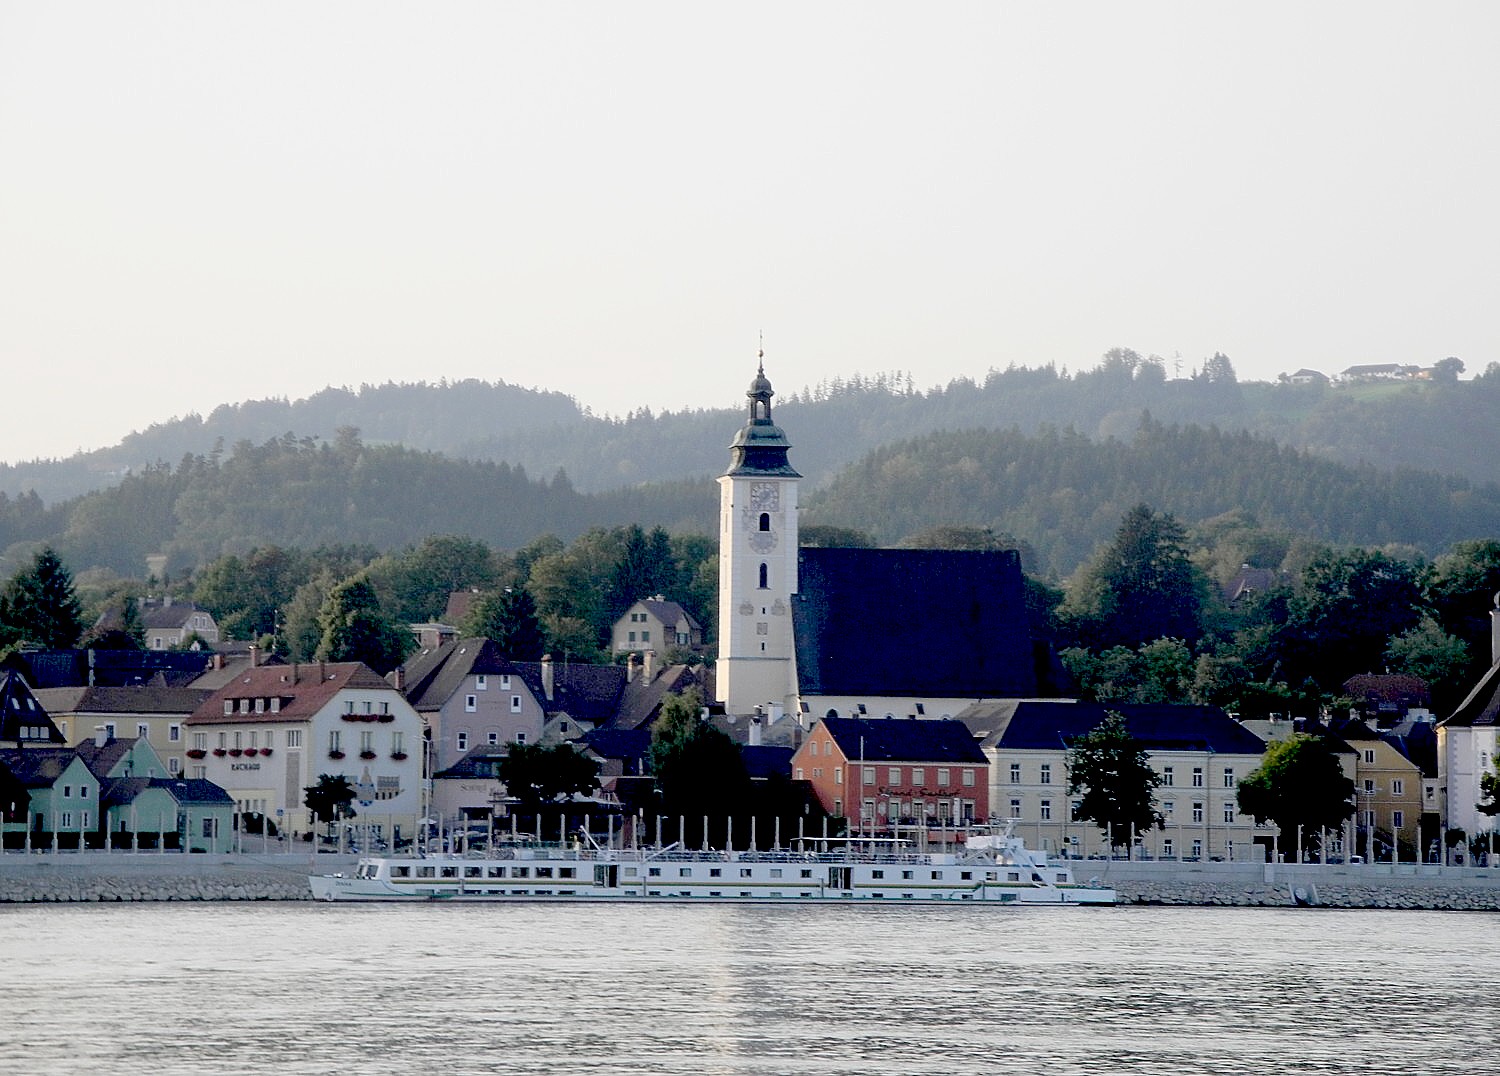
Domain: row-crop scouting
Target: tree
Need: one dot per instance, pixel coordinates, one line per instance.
(1489, 790)
(354, 628)
(699, 771)
(1299, 785)
(1139, 588)
(1160, 671)
(537, 775)
(331, 799)
(1427, 651)
(1447, 370)
(1346, 608)
(40, 605)
(509, 617)
(1109, 767)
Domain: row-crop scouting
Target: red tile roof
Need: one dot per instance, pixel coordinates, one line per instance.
(303, 690)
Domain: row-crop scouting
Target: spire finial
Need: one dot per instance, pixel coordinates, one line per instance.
(760, 353)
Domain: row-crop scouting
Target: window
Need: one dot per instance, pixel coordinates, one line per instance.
(838, 808)
(1166, 776)
(1197, 812)
(1166, 848)
(1197, 849)
(1369, 786)
(367, 743)
(868, 773)
(368, 706)
(515, 704)
(505, 681)
(67, 819)
(838, 776)
(812, 748)
(294, 737)
(492, 738)
(631, 637)
(334, 736)
(1369, 756)
(1398, 819)
(1228, 777)
(471, 703)
(348, 706)
(520, 737)
(1015, 808)
(461, 741)
(1398, 787)
(765, 521)
(200, 741)
(1229, 812)
(67, 792)
(1197, 776)
(200, 773)
(481, 682)
(228, 707)
(1046, 810)
(893, 775)
(765, 575)
(396, 740)
(918, 775)
(1015, 773)
(968, 778)
(1046, 773)
(943, 778)
(800, 776)
(174, 733)
(260, 706)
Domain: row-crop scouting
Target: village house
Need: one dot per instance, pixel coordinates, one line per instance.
(274, 730)
(655, 624)
(891, 774)
(1199, 752)
(169, 624)
(151, 712)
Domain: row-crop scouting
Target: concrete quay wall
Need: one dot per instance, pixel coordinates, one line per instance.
(101, 877)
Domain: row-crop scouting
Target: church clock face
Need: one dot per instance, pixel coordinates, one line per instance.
(765, 497)
(762, 541)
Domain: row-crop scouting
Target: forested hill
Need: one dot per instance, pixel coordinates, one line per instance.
(1057, 491)
(1444, 426)
(290, 492)
(1064, 493)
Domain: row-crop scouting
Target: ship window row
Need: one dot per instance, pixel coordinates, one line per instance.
(425, 871)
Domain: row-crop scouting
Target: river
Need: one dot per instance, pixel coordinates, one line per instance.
(296, 989)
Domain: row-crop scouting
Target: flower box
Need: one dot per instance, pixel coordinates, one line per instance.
(235, 752)
(386, 718)
(266, 752)
(399, 756)
(219, 752)
(196, 752)
(335, 754)
(367, 754)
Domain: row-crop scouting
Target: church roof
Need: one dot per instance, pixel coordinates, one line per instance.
(912, 622)
(760, 448)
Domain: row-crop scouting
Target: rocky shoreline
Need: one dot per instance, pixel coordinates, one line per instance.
(146, 878)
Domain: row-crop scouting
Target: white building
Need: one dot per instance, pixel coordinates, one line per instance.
(273, 730)
(1467, 746)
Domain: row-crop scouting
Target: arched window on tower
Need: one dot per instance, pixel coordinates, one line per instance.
(765, 521)
(765, 577)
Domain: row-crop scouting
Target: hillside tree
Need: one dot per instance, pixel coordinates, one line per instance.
(40, 605)
(1111, 770)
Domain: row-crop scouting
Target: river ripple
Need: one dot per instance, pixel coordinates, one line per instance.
(310, 989)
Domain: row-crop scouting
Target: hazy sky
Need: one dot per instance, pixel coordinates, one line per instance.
(204, 203)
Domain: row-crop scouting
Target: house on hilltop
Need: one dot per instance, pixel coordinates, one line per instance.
(655, 624)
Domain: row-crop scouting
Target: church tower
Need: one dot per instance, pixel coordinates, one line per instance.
(757, 562)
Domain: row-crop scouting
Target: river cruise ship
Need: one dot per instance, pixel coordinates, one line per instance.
(992, 868)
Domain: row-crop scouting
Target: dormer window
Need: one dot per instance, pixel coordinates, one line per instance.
(228, 707)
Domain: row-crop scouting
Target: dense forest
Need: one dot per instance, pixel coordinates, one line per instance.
(1439, 425)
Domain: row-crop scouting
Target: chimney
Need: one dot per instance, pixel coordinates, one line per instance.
(399, 674)
(547, 676)
(254, 655)
(1495, 632)
(753, 739)
(648, 673)
(294, 672)
(630, 668)
(101, 735)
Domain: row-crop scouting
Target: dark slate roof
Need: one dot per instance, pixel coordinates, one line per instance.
(1482, 707)
(194, 790)
(433, 676)
(1027, 724)
(143, 699)
(628, 744)
(112, 668)
(100, 760)
(123, 791)
(37, 767)
(765, 761)
(1417, 741)
(481, 762)
(906, 622)
(156, 615)
(669, 613)
(587, 692)
(1388, 691)
(641, 702)
(19, 709)
(904, 739)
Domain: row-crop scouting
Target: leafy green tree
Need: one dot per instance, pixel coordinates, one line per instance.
(1489, 789)
(1345, 609)
(1139, 588)
(1299, 783)
(698, 769)
(301, 633)
(331, 799)
(1160, 671)
(536, 775)
(509, 617)
(414, 585)
(1110, 769)
(1431, 653)
(1447, 370)
(827, 536)
(40, 604)
(355, 629)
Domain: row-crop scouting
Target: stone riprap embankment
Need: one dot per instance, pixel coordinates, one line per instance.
(1260, 885)
(43, 879)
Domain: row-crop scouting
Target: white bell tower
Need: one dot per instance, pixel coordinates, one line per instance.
(757, 563)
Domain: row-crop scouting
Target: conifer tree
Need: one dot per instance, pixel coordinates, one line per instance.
(40, 605)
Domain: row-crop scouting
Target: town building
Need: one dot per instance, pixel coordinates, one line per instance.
(1199, 753)
(152, 712)
(891, 775)
(169, 624)
(271, 733)
(1467, 746)
(655, 624)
